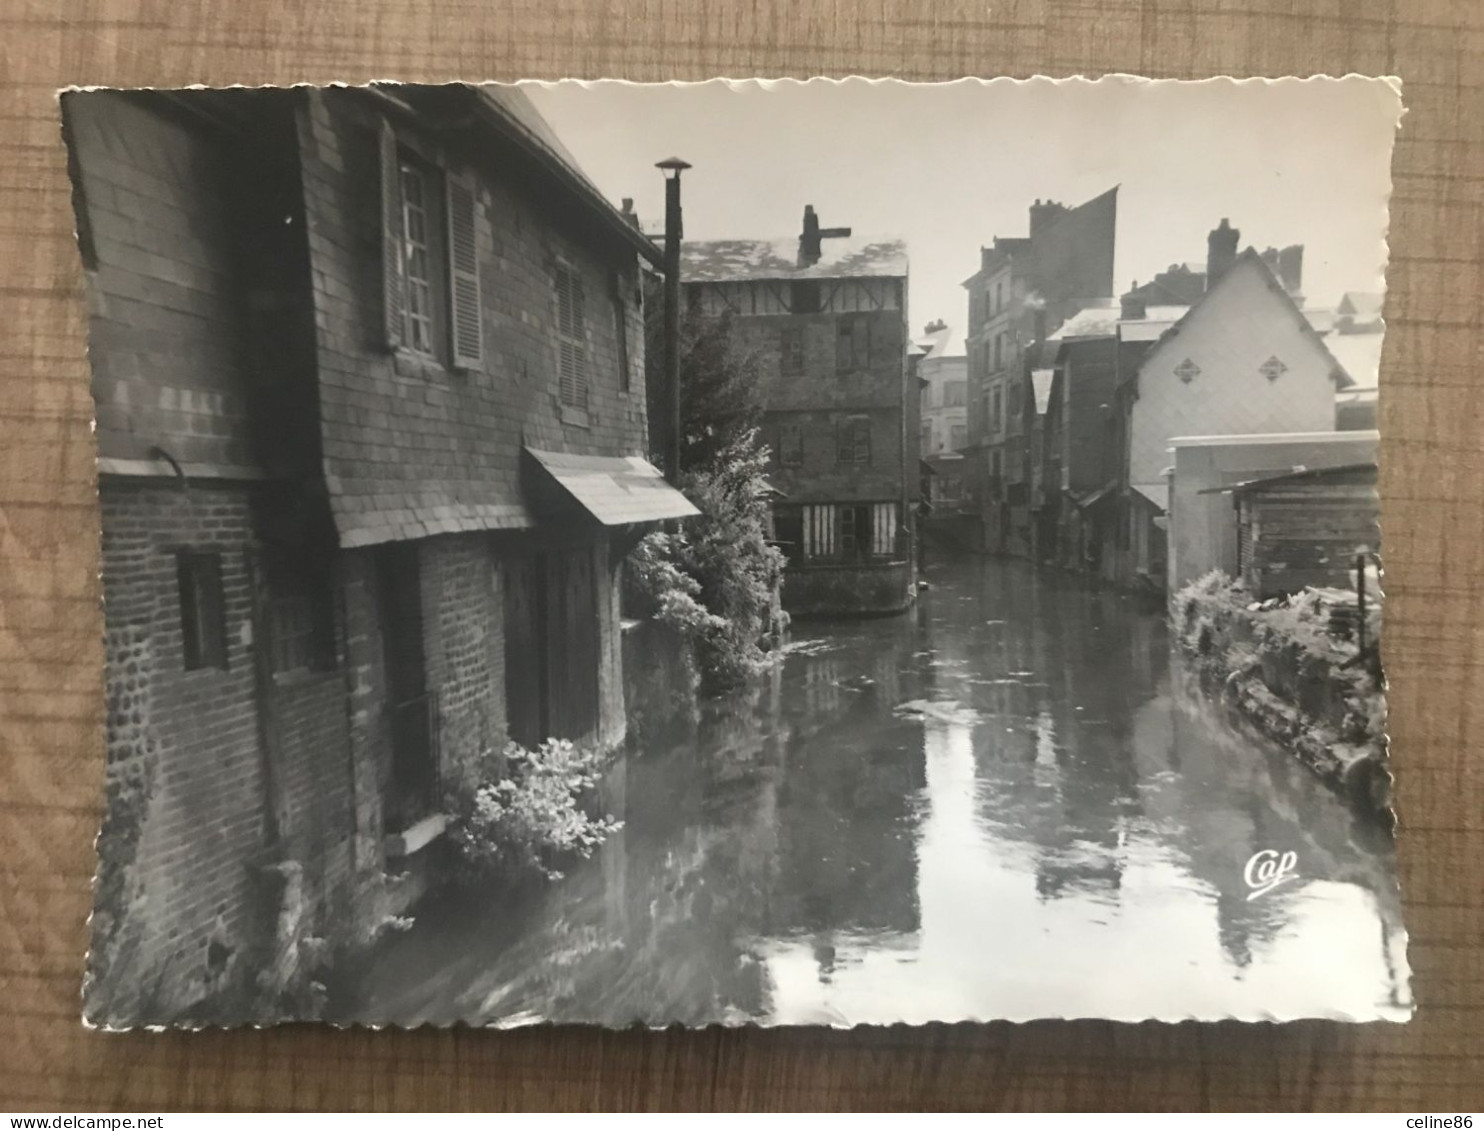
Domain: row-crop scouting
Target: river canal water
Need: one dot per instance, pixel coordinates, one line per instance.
(1001, 804)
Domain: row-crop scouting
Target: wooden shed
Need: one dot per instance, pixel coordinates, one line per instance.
(1305, 528)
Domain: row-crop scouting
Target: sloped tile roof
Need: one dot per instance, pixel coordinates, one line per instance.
(718, 261)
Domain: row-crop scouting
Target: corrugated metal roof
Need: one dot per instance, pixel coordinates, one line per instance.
(717, 261)
(615, 490)
(1366, 470)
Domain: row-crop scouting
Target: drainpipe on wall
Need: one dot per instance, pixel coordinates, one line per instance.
(674, 230)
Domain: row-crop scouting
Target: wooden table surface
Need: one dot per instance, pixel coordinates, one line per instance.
(1432, 482)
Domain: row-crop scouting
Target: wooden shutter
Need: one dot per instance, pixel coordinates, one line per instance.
(393, 267)
(572, 336)
(464, 305)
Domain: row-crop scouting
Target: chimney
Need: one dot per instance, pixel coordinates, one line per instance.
(628, 212)
(1132, 307)
(1291, 270)
(935, 326)
(1044, 213)
(1221, 251)
(810, 239)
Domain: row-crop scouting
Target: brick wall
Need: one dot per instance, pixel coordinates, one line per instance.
(166, 327)
(312, 789)
(612, 716)
(413, 449)
(193, 894)
(463, 621)
(370, 753)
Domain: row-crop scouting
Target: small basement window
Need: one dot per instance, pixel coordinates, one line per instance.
(203, 611)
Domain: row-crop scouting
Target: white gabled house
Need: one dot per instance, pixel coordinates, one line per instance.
(1242, 360)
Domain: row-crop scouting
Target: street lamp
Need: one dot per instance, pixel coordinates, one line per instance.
(672, 168)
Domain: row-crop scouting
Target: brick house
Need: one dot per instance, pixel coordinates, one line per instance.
(368, 368)
(827, 315)
(1025, 288)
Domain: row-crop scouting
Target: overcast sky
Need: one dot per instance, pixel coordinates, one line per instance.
(950, 166)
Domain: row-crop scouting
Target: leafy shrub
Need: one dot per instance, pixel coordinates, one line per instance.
(718, 580)
(527, 812)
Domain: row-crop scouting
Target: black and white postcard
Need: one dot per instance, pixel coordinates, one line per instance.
(808, 553)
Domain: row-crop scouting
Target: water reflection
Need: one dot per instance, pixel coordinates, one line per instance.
(1004, 805)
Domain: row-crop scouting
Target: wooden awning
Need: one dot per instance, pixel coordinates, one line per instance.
(614, 490)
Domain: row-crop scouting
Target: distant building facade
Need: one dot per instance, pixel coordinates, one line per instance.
(827, 314)
(360, 388)
(943, 370)
(1024, 289)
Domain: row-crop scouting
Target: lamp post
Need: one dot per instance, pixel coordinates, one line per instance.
(674, 230)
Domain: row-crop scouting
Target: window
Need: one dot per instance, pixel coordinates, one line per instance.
(955, 394)
(621, 334)
(995, 409)
(925, 441)
(999, 342)
(819, 531)
(996, 467)
(853, 440)
(958, 437)
(431, 303)
(788, 531)
(790, 445)
(1017, 399)
(852, 343)
(791, 351)
(300, 621)
(417, 225)
(804, 297)
(855, 529)
(203, 612)
(571, 338)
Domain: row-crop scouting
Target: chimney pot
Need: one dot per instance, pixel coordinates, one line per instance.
(1221, 251)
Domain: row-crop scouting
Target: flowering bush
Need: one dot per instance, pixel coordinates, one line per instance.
(533, 816)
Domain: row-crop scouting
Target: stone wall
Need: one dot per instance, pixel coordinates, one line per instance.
(1278, 668)
(848, 589)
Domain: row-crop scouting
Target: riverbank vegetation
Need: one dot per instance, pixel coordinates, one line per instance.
(1290, 668)
(716, 578)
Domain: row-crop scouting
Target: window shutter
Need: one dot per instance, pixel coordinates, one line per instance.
(393, 270)
(572, 338)
(464, 305)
